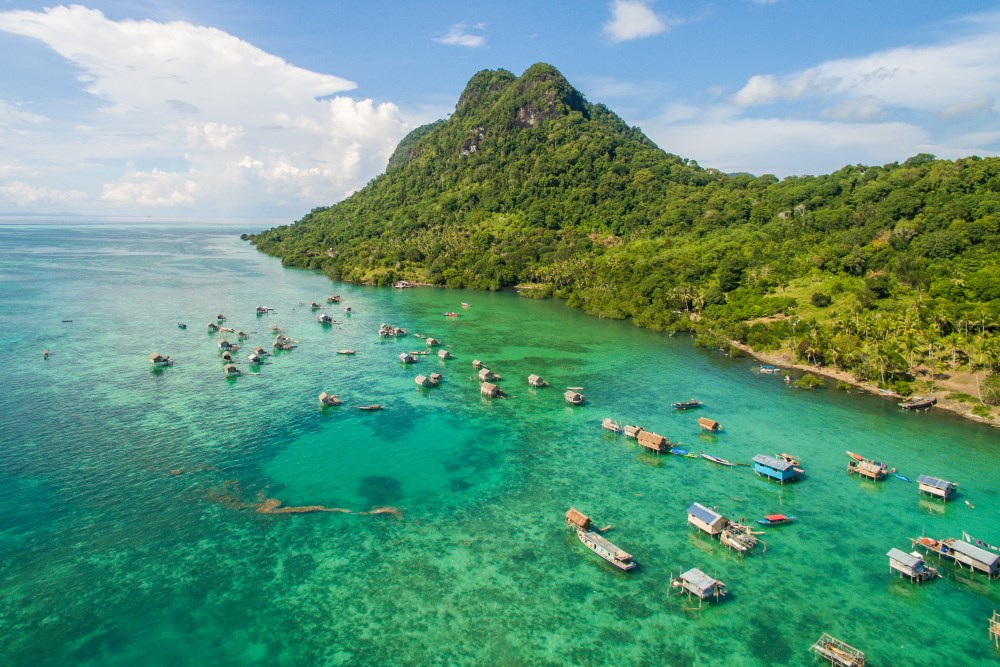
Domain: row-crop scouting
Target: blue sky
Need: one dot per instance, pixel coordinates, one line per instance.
(267, 109)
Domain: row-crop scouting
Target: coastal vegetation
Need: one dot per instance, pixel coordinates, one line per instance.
(890, 273)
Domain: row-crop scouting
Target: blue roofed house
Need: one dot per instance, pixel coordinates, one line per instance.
(778, 469)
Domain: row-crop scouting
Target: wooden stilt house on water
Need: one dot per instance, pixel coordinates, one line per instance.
(490, 390)
(154, 359)
(574, 397)
(837, 652)
(874, 470)
(445, 354)
(434, 378)
(577, 519)
(422, 381)
(963, 553)
(406, 358)
(697, 583)
(705, 519)
(230, 370)
(709, 425)
(773, 468)
(632, 431)
(910, 565)
(326, 399)
(433, 342)
(486, 375)
(536, 381)
(654, 442)
(935, 486)
(995, 629)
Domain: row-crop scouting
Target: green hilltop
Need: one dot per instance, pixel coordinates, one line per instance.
(892, 271)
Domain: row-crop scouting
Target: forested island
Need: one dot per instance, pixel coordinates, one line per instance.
(890, 273)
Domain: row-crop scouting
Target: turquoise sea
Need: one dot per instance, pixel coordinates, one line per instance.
(128, 525)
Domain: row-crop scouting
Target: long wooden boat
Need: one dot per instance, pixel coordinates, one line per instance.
(687, 405)
(682, 452)
(716, 459)
(606, 550)
(370, 408)
(345, 351)
(918, 403)
(775, 519)
(856, 457)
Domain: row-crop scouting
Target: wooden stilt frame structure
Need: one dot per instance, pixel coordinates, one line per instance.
(837, 652)
(995, 629)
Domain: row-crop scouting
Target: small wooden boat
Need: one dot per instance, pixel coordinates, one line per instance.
(611, 425)
(158, 360)
(898, 476)
(856, 457)
(687, 405)
(333, 299)
(918, 403)
(181, 325)
(767, 369)
(370, 408)
(345, 351)
(716, 459)
(775, 519)
(451, 314)
(682, 452)
(606, 550)
(466, 305)
(971, 506)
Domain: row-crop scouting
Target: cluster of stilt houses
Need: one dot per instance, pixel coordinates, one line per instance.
(735, 534)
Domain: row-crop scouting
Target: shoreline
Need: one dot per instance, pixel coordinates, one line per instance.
(781, 360)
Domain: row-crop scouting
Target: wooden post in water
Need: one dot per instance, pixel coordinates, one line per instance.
(995, 628)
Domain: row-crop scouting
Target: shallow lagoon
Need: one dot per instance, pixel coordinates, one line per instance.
(127, 521)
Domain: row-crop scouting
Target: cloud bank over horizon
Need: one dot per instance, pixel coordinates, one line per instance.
(187, 117)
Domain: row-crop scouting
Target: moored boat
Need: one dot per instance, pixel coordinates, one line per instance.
(181, 325)
(775, 519)
(451, 314)
(716, 459)
(606, 550)
(687, 405)
(856, 457)
(370, 408)
(918, 403)
(345, 351)
(683, 452)
(767, 369)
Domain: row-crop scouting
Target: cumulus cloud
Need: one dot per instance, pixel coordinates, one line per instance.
(788, 146)
(25, 195)
(924, 78)
(632, 19)
(458, 35)
(178, 107)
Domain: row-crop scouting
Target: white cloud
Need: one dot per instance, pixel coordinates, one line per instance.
(632, 19)
(925, 78)
(785, 147)
(25, 195)
(458, 35)
(179, 106)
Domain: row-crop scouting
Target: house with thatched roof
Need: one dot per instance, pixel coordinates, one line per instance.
(407, 358)
(874, 470)
(699, 584)
(709, 425)
(158, 360)
(477, 364)
(434, 378)
(422, 381)
(491, 390)
(326, 399)
(573, 397)
(537, 381)
(654, 442)
(323, 318)
(577, 519)
(486, 374)
(445, 354)
(231, 369)
(432, 342)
